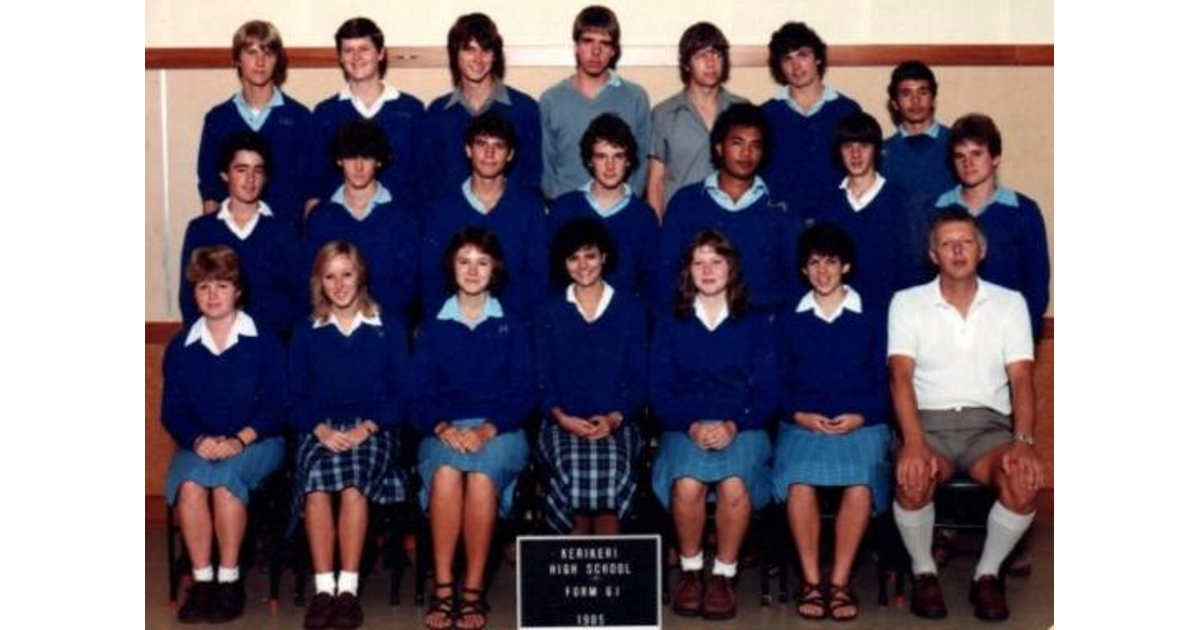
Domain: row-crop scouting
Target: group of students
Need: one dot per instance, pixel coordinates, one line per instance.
(416, 277)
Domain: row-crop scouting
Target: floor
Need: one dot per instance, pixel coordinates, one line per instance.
(1030, 598)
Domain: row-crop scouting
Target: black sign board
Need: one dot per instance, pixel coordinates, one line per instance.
(589, 582)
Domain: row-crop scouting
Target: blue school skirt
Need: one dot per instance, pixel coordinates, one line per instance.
(858, 458)
(746, 457)
(501, 459)
(239, 474)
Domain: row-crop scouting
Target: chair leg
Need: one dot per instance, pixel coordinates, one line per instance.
(172, 562)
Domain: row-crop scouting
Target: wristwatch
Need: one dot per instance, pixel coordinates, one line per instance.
(1022, 437)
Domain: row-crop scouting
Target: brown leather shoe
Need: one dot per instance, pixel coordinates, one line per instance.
(720, 600)
(198, 603)
(927, 600)
(689, 595)
(319, 611)
(987, 593)
(347, 612)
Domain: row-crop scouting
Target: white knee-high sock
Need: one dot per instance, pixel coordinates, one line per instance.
(916, 530)
(1004, 529)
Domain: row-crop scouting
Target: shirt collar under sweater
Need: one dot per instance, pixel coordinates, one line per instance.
(827, 95)
(499, 95)
(359, 320)
(243, 232)
(451, 311)
(243, 326)
(851, 302)
(722, 198)
(626, 196)
(723, 315)
(1003, 196)
(605, 299)
(857, 204)
(256, 118)
(382, 195)
(389, 94)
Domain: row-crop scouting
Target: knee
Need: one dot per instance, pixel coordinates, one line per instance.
(912, 498)
(447, 480)
(733, 493)
(352, 496)
(191, 495)
(688, 492)
(224, 496)
(1013, 494)
(480, 487)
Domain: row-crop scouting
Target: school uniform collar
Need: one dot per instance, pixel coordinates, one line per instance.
(868, 196)
(243, 326)
(698, 308)
(933, 131)
(359, 320)
(626, 196)
(681, 101)
(499, 95)
(474, 201)
(1003, 196)
(451, 311)
(757, 190)
(389, 94)
(256, 118)
(225, 215)
(827, 95)
(851, 302)
(933, 292)
(382, 195)
(614, 80)
(605, 299)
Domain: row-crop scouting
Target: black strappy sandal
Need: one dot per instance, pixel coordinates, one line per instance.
(442, 605)
(476, 607)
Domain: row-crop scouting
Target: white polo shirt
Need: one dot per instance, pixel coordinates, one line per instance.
(960, 362)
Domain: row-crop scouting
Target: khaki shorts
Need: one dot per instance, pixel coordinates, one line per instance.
(964, 435)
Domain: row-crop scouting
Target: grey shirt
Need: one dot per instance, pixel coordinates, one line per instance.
(680, 140)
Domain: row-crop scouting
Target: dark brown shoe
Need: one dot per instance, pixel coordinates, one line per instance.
(720, 600)
(987, 593)
(228, 602)
(347, 612)
(689, 595)
(319, 611)
(927, 600)
(198, 603)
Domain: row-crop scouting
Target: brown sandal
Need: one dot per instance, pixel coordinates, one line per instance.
(443, 606)
(811, 595)
(840, 597)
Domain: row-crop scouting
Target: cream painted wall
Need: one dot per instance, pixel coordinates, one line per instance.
(205, 23)
(1020, 99)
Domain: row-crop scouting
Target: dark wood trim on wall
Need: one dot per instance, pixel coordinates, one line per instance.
(644, 56)
(160, 333)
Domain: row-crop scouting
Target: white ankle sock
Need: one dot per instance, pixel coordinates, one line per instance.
(225, 576)
(202, 574)
(727, 570)
(348, 582)
(324, 582)
(916, 530)
(1004, 529)
(694, 563)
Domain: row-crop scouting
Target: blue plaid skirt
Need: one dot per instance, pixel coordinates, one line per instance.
(239, 474)
(858, 458)
(590, 475)
(370, 467)
(501, 459)
(747, 457)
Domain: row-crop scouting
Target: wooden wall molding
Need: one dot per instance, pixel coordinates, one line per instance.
(637, 56)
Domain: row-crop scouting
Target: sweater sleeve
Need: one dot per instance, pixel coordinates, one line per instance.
(667, 406)
(395, 404)
(764, 377)
(209, 182)
(425, 391)
(633, 374)
(267, 411)
(187, 298)
(1035, 266)
(647, 261)
(301, 415)
(543, 360)
(529, 130)
(549, 165)
(641, 132)
(178, 415)
(518, 398)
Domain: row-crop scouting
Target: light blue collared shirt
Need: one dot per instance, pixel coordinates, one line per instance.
(626, 196)
(256, 119)
(381, 196)
(757, 189)
(827, 96)
(499, 95)
(1003, 196)
(451, 311)
(474, 201)
(933, 130)
(613, 81)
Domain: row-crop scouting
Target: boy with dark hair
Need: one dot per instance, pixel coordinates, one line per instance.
(363, 212)
(485, 200)
(363, 59)
(570, 105)
(475, 49)
(803, 116)
(260, 106)
(737, 203)
(610, 153)
(916, 153)
(1018, 254)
